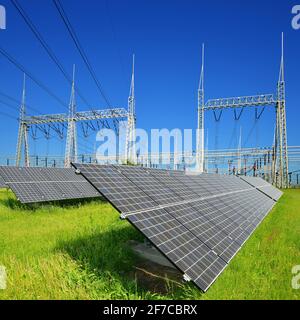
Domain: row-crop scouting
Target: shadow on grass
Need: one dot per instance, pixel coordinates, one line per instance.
(11, 202)
(110, 251)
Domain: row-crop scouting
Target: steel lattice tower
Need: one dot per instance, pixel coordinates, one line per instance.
(200, 129)
(23, 132)
(280, 171)
(281, 177)
(130, 151)
(71, 142)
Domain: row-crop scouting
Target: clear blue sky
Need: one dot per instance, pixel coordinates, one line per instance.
(242, 41)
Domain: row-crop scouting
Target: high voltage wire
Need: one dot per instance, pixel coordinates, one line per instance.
(83, 55)
(51, 54)
(17, 109)
(8, 105)
(81, 51)
(8, 116)
(31, 76)
(17, 102)
(45, 46)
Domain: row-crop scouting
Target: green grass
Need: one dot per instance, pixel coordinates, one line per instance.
(81, 251)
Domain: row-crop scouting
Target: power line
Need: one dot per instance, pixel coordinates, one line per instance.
(8, 116)
(31, 76)
(84, 57)
(17, 102)
(81, 51)
(45, 46)
(8, 105)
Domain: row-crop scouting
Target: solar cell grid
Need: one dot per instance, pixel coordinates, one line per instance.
(264, 186)
(179, 245)
(2, 183)
(150, 185)
(200, 187)
(46, 184)
(255, 181)
(204, 229)
(166, 178)
(116, 187)
(271, 192)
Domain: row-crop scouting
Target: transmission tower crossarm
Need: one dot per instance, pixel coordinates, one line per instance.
(79, 116)
(262, 100)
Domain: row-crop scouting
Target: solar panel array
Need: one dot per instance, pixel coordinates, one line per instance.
(2, 183)
(198, 222)
(263, 186)
(32, 185)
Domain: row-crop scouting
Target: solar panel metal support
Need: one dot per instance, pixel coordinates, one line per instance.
(186, 278)
(123, 216)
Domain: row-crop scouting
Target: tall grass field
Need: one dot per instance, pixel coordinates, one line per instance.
(83, 251)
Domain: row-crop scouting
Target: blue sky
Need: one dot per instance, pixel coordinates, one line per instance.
(242, 42)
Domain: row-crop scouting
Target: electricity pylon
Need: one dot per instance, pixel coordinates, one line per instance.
(200, 129)
(71, 142)
(280, 172)
(281, 177)
(23, 132)
(130, 150)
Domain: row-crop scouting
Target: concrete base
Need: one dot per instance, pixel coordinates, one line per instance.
(149, 252)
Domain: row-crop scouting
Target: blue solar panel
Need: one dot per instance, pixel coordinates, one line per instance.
(199, 222)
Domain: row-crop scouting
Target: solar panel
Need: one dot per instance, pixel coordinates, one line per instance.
(32, 185)
(168, 178)
(263, 186)
(2, 183)
(161, 193)
(189, 254)
(199, 222)
(116, 187)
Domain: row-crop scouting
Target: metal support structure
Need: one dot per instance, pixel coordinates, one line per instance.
(200, 129)
(23, 132)
(279, 174)
(239, 163)
(71, 142)
(58, 123)
(262, 100)
(281, 177)
(79, 116)
(130, 150)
